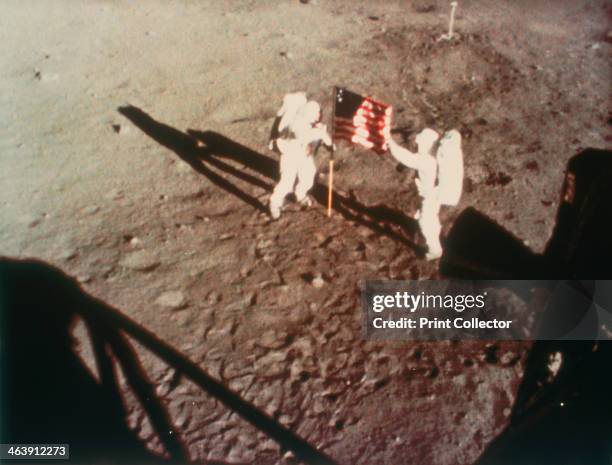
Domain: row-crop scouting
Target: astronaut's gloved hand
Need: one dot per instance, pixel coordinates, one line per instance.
(387, 132)
(391, 144)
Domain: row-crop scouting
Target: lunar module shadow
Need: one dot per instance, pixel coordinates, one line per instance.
(566, 420)
(49, 396)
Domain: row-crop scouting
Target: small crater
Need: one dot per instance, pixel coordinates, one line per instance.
(498, 179)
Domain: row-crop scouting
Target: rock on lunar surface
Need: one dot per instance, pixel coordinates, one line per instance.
(172, 299)
(318, 281)
(142, 260)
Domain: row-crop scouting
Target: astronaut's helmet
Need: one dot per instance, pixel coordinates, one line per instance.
(292, 103)
(426, 139)
(311, 112)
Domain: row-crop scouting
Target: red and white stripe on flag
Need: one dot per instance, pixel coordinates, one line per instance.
(361, 120)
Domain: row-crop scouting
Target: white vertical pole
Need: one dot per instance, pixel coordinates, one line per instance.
(452, 20)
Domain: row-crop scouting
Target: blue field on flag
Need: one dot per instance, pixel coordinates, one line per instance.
(361, 120)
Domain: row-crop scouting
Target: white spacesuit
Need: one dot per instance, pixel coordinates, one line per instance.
(298, 130)
(439, 163)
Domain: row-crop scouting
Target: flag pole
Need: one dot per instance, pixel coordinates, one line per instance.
(331, 159)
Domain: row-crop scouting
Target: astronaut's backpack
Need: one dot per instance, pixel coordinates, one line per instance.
(450, 168)
(287, 113)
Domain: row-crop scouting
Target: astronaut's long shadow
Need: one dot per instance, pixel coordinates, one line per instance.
(205, 149)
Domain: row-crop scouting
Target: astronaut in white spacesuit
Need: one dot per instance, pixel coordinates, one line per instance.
(439, 164)
(296, 133)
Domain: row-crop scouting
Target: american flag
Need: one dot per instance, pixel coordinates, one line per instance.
(361, 120)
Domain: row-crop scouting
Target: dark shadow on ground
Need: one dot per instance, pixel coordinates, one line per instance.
(205, 149)
(579, 248)
(50, 397)
(568, 420)
(478, 248)
(198, 157)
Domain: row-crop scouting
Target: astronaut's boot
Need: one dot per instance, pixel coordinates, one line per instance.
(306, 202)
(275, 212)
(276, 204)
(433, 253)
